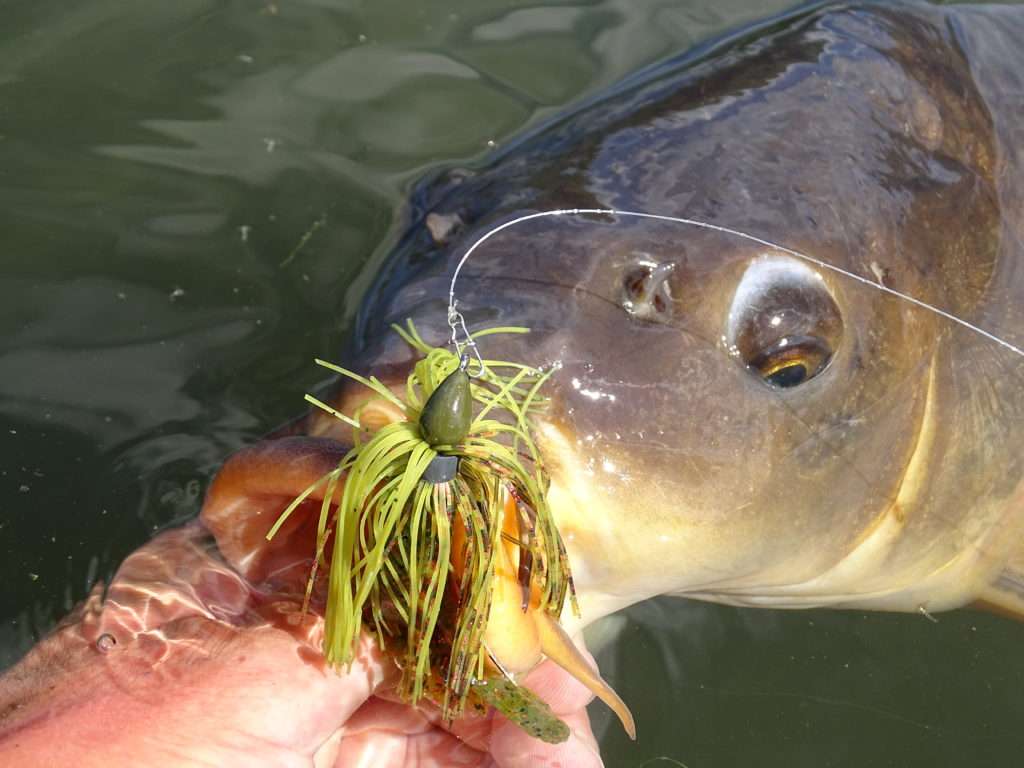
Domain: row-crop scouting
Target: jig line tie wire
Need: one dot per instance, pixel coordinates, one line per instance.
(457, 322)
(468, 344)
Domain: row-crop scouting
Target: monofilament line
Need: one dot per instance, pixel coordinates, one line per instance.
(455, 317)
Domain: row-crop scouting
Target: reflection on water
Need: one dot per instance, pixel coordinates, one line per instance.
(193, 196)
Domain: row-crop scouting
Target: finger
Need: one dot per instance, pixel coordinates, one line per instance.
(385, 714)
(388, 733)
(174, 576)
(566, 696)
(512, 747)
(562, 692)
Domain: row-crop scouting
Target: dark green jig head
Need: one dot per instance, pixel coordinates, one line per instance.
(448, 412)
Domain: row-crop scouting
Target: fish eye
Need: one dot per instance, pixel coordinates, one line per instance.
(784, 325)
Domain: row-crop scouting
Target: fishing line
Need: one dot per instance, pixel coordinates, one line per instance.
(457, 322)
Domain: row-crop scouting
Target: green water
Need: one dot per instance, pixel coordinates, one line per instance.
(193, 196)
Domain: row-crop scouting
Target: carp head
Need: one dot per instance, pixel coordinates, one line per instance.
(731, 420)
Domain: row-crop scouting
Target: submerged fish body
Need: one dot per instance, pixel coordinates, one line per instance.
(876, 463)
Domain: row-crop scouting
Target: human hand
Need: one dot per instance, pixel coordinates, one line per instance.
(186, 662)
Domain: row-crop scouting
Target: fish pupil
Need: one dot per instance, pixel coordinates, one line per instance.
(787, 376)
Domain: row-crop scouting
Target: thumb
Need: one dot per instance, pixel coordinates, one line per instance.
(512, 747)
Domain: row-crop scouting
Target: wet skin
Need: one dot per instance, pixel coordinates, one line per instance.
(880, 141)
